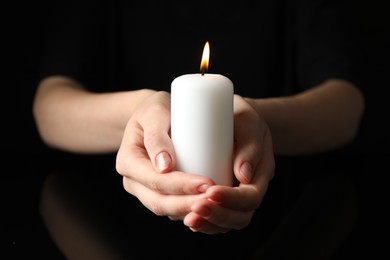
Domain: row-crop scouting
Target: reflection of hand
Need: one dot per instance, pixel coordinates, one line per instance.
(146, 158)
(222, 208)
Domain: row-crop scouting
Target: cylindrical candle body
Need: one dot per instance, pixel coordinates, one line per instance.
(202, 125)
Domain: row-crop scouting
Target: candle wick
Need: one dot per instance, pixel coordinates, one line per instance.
(203, 71)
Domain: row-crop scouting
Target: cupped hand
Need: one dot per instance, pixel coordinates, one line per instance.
(146, 160)
(223, 208)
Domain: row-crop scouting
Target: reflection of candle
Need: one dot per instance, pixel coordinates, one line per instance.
(202, 123)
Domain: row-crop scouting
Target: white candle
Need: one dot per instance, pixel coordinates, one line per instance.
(202, 125)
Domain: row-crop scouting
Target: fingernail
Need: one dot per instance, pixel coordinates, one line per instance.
(163, 161)
(203, 188)
(246, 171)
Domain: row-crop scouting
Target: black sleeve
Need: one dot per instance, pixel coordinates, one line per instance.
(327, 42)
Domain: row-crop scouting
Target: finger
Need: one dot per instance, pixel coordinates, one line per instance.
(220, 216)
(248, 140)
(198, 224)
(247, 197)
(175, 182)
(155, 122)
(133, 162)
(161, 204)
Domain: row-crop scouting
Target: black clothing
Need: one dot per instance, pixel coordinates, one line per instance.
(267, 48)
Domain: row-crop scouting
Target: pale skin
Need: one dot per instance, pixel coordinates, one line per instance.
(135, 125)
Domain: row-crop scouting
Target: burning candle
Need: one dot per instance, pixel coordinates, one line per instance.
(202, 123)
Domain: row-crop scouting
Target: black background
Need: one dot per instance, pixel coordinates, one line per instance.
(25, 158)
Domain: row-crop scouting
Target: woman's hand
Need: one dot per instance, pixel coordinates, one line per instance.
(146, 160)
(222, 208)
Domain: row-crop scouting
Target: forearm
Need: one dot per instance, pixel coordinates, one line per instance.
(71, 118)
(325, 117)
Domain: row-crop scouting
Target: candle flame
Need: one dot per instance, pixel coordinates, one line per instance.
(204, 64)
